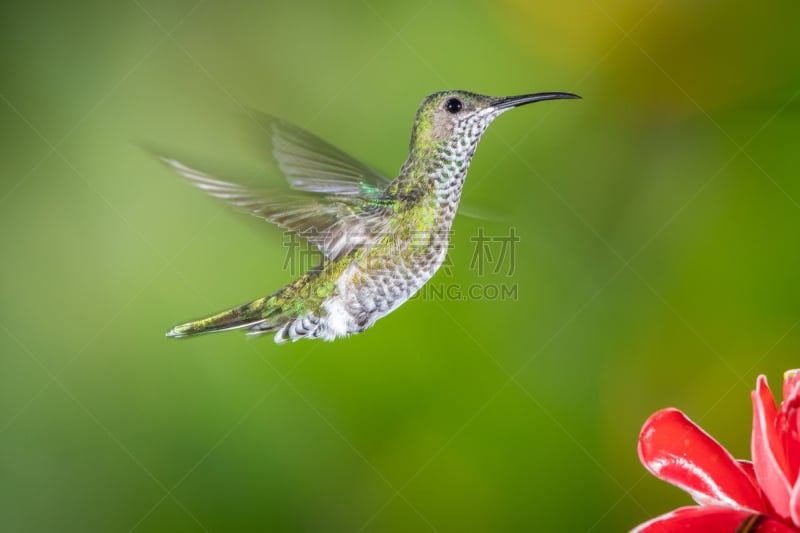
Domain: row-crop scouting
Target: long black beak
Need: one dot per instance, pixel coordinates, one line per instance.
(508, 102)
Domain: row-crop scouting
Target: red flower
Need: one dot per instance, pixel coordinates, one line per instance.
(733, 496)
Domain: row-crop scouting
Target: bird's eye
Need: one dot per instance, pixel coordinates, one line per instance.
(453, 105)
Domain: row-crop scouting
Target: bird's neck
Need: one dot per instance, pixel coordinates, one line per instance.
(435, 175)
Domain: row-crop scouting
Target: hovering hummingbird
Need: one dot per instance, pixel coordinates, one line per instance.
(381, 240)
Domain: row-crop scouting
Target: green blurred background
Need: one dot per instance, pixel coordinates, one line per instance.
(658, 263)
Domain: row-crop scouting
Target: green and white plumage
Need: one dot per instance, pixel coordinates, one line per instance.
(381, 240)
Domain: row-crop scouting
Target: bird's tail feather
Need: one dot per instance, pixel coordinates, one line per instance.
(262, 312)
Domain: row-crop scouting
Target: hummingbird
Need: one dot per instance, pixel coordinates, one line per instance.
(381, 240)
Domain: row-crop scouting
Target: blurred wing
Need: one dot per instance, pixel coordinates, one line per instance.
(312, 165)
(335, 224)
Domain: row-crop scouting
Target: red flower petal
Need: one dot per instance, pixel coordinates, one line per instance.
(749, 469)
(712, 520)
(788, 423)
(767, 449)
(675, 449)
(791, 384)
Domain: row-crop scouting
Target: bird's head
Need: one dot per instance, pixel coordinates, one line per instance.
(463, 116)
